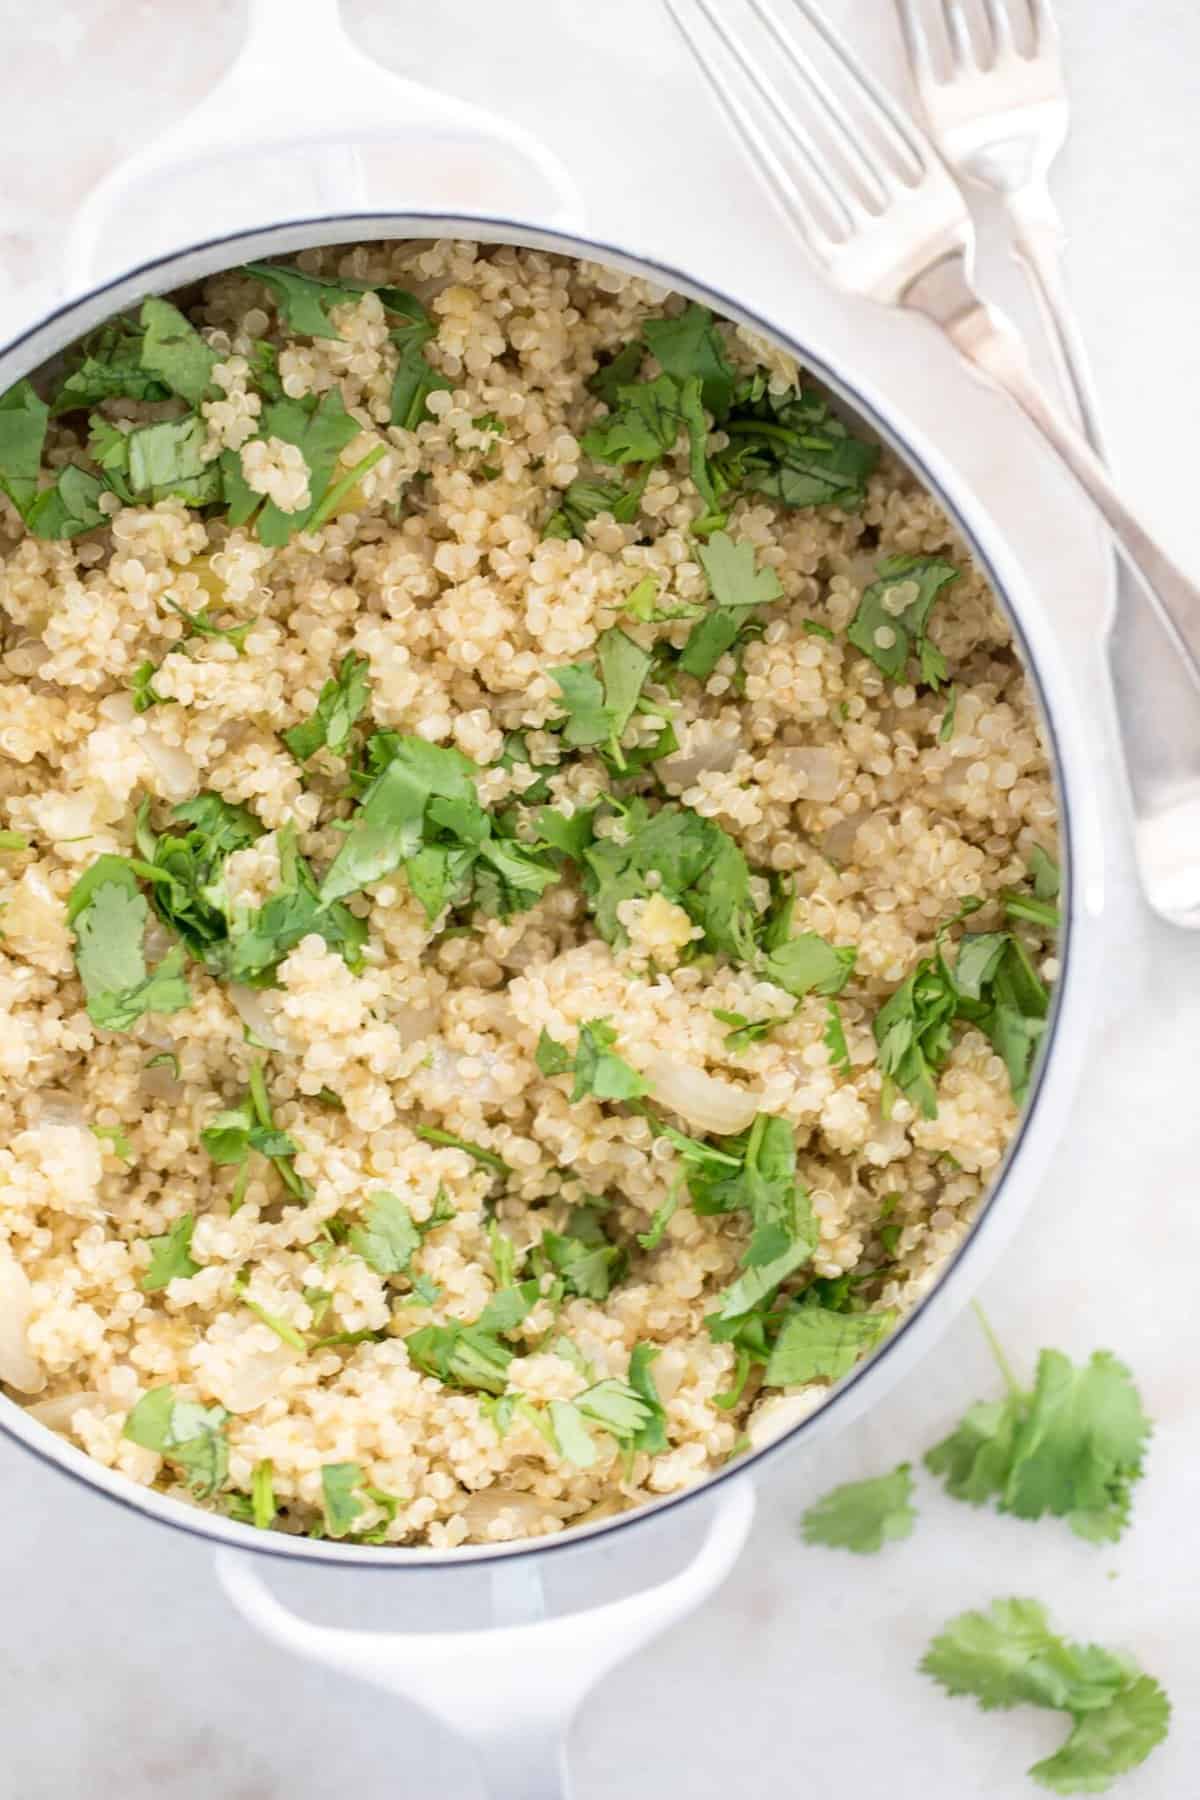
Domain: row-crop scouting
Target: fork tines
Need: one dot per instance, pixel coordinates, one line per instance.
(832, 142)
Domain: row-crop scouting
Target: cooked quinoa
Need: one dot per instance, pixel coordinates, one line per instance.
(243, 1255)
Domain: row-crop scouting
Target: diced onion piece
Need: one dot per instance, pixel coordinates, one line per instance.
(251, 1009)
(253, 1379)
(819, 766)
(712, 755)
(177, 773)
(778, 1413)
(59, 1412)
(524, 1511)
(19, 1368)
(705, 1101)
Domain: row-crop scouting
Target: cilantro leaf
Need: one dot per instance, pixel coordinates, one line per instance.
(893, 614)
(389, 1237)
(691, 345)
(171, 1256)
(1080, 1447)
(389, 826)
(643, 426)
(23, 418)
(793, 449)
(320, 434)
(461, 1356)
(415, 378)
(617, 1407)
(735, 584)
(259, 941)
(1073, 1446)
(974, 1461)
(616, 373)
(863, 1516)
(599, 1070)
(815, 1344)
(733, 577)
(303, 301)
(696, 864)
(1106, 1743)
(587, 498)
(231, 1135)
(191, 1437)
(599, 708)
(69, 506)
(110, 365)
(651, 1436)
(1047, 879)
(339, 704)
(173, 351)
(571, 1435)
(806, 964)
(109, 917)
(166, 461)
(338, 1484)
(1009, 1656)
(583, 1256)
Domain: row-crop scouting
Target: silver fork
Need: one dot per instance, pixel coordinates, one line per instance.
(995, 102)
(882, 214)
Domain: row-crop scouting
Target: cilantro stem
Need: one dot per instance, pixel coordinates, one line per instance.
(341, 488)
(1002, 1362)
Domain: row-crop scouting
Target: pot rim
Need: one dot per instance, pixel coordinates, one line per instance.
(1060, 1054)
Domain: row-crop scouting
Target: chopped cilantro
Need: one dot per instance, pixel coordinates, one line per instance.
(109, 917)
(115, 1135)
(1010, 1656)
(889, 637)
(262, 1495)
(694, 862)
(171, 1256)
(817, 1345)
(320, 433)
(806, 964)
(597, 1068)
(583, 1256)
(420, 812)
(863, 1516)
(200, 625)
(792, 448)
(488, 1158)
(461, 1356)
(23, 417)
(736, 584)
(389, 1237)
(651, 1239)
(230, 1136)
(598, 709)
(745, 1031)
(587, 498)
(835, 1038)
(339, 1482)
(141, 686)
(339, 704)
(173, 351)
(190, 1437)
(949, 713)
(13, 841)
(1045, 872)
(651, 1435)
(691, 345)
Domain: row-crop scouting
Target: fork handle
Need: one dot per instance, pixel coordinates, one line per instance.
(1037, 238)
(983, 336)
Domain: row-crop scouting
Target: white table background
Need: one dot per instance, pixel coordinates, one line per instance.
(122, 1669)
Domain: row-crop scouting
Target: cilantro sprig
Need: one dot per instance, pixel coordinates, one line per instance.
(108, 914)
(1072, 1446)
(862, 1516)
(1010, 1656)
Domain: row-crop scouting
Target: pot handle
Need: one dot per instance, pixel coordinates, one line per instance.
(509, 1691)
(295, 131)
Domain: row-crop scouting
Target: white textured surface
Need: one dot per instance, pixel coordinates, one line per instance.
(121, 1667)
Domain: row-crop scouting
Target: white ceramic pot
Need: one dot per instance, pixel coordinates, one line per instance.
(307, 142)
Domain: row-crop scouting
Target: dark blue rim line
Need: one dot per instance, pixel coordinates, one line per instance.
(644, 1515)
